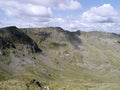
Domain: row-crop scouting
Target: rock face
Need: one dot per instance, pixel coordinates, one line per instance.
(15, 47)
(11, 36)
(6, 44)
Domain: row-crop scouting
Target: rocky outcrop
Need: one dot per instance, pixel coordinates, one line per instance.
(11, 36)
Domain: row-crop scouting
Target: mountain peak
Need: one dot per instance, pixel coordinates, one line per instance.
(10, 27)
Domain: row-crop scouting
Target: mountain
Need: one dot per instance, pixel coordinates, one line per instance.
(59, 58)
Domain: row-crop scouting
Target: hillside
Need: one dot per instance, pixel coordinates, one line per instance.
(58, 58)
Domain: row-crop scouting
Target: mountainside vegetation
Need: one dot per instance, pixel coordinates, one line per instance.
(58, 58)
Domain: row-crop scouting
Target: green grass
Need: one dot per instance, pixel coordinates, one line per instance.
(5, 74)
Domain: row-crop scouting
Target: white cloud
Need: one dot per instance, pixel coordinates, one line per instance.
(102, 18)
(69, 5)
(103, 14)
(24, 14)
(33, 12)
(13, 8)
(69, 23)
(54, 4)
(37, 10)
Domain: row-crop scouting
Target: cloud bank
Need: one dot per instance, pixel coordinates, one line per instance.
(34, 13)
(103, 14)
(42, 13)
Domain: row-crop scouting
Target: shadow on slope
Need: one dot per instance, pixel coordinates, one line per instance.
(10, 36)
(72, 37)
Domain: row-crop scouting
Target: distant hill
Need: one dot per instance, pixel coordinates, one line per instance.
(59, 59)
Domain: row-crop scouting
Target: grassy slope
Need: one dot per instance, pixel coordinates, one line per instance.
(94, 67)
(4, 74)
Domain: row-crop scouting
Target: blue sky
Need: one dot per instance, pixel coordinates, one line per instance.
(86, 15)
